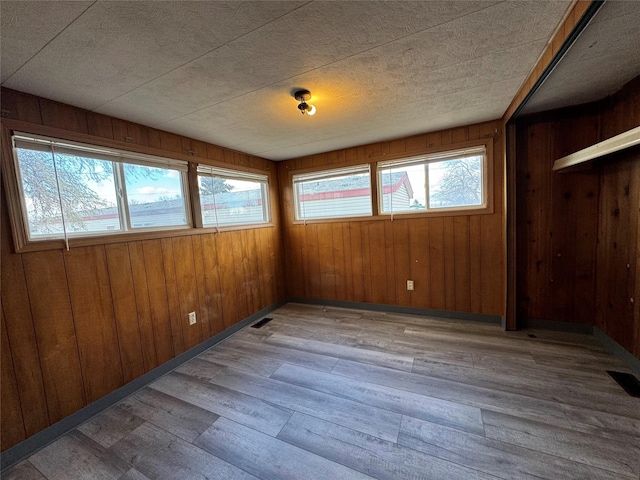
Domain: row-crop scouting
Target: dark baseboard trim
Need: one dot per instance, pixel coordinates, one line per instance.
(618, 350)
(556, 325)
(28, 447)
(380, 307)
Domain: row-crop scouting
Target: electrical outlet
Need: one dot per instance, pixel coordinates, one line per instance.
(409, 284)
(192, 318)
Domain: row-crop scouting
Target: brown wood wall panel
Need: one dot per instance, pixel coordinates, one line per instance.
(449, 258)
(617, 250)
(93, 313)
(143, 308)
(557, 282)
(20, 329)
(173, 300)
(76, 325)
(227, 270)
(158, 300)
(419, 262)
(55, 333)
(201, 287)
(212, 293)
(185, 273)
(437, 261)
(132, 352)
(12, 430)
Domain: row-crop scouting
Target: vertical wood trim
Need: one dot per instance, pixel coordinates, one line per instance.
(510, 221)
(194, 197)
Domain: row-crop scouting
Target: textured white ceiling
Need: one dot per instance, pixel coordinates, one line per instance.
(599, 63)
(223, 72)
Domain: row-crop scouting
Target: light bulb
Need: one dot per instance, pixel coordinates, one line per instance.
(311, 109)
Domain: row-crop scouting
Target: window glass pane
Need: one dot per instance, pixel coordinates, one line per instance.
(456, 183)
(344, 196)
(207, 186)
(236, 202)
(40, 193)
(88, 192)
(403, 189)
(155, 196)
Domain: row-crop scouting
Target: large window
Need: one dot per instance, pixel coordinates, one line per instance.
(231, 197)
(342, 192)
(445, 181)
(71, 189)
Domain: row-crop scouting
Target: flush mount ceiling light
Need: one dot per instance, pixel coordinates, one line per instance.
(303, 96)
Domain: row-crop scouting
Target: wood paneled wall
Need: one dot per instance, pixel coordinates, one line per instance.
(77, 325)
(456, 262)
(617, 263)
(577, 232)
(557, 220)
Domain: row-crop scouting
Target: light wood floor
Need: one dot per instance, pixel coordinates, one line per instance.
(340, 394)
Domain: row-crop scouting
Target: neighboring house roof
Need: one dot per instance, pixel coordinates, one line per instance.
(223, 200)
(353, 186)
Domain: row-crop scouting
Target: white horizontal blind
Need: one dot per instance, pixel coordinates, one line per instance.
(232, 197)
(335, 193)
(64, 147)
(232, 174)
(434, 157)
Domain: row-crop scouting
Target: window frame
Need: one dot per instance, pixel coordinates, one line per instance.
(438, 156)
(487, 142)
(233, 174)
(118, 159)
(16, 221)
(327, 173)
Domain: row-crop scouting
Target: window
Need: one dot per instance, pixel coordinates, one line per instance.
(72, 189)
(342, 192)
(230, 197)
(443, 181)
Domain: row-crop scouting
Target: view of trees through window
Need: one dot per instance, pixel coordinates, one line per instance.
(80, 194)
(455, 183)
(86, 188)
(452, 183)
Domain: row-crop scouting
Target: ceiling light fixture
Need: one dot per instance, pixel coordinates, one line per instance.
(303, 96)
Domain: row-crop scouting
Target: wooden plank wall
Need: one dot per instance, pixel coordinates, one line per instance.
(77, 325)
(577, 232)
(618, 265)
(456, 262)
(557, 219)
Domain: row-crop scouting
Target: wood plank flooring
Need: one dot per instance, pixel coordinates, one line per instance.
(328, 393)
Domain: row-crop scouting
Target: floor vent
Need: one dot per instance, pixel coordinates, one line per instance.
(261, 323)
(627, 381)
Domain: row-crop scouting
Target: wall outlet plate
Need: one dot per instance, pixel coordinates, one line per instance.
(409, 284)
(192, 318)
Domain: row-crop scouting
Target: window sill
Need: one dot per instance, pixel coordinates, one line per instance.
(58, 244)
(400, 216)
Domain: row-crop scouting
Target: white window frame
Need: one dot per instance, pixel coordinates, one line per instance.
(118, 158)
(425, 160)
(299, 179)
(229, 174)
